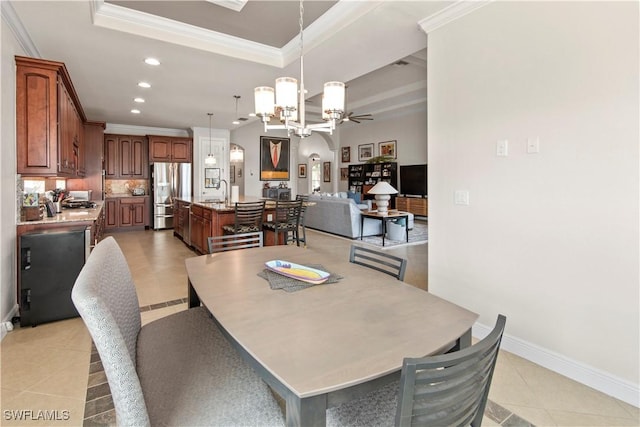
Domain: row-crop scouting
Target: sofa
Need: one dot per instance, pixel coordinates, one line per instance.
(340, 214)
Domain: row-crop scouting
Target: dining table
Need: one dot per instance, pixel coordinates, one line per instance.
(319, 345)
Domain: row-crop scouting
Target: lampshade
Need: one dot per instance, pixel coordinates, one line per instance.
(333, 99)
(287, 93)
(264, 98)
(382, 187)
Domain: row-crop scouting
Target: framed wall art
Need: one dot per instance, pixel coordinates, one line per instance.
(344, 174)
(365, 152)
(274, 159)
(326, 172)
(388, 149)
(302, 170)
(346, 154)
(232, 174)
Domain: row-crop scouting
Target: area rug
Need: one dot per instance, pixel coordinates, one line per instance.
(418, 235)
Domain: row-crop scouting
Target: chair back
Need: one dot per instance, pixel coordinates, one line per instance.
(105, 296)
(249, 217)
(386, 263)
(231, 242)
(449, 389)
(288, 212)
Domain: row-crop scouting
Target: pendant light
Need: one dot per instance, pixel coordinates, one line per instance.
(210, 159)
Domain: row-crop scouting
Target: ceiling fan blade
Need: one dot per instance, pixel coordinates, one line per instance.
(354, 120)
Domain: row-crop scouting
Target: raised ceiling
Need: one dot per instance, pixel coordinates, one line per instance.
(210, 53)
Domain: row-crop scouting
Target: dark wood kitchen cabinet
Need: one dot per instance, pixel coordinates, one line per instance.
(170, 149)
(49, 120)
(125, 212)
(200, 228)
(126, 156)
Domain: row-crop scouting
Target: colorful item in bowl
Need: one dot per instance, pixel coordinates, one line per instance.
(297, 271)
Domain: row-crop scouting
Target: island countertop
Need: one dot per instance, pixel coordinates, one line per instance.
(220, 206)
(68, 216)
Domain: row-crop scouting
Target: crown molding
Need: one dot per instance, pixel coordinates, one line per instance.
(236, 5)
(143, 24)
(119, 18)
(120, 129)
(10, 17)
(450, 14)
(338, 17)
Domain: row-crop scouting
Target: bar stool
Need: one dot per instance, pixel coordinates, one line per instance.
(286, 219)
(249, 216)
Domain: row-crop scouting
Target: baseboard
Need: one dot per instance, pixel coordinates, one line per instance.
(3, 326)
(592, 377)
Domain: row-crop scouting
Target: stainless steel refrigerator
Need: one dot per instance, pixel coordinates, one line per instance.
(168, 181)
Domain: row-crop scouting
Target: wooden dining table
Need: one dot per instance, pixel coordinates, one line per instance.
(326, 344)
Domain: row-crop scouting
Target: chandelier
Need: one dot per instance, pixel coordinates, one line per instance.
(288, 102)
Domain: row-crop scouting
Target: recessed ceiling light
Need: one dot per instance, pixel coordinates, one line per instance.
(140, 100)
(252, 114)
(144, 85)
(235, 122)
(151, 61)
(134, 111)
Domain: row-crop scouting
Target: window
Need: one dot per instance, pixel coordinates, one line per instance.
(316, 176)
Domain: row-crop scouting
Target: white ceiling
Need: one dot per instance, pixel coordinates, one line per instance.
(103, 45)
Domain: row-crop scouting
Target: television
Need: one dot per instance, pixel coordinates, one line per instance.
(413, 180)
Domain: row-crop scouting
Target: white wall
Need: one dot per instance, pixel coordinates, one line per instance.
(550, 239)
(9, 48)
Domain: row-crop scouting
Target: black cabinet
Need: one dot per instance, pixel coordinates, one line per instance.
(363, 177)
(277, 193)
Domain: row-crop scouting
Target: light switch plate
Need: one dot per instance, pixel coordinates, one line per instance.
(461, 197)
(502, 148)
(533, 145)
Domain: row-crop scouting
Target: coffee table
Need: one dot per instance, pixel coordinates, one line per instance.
(384, 217)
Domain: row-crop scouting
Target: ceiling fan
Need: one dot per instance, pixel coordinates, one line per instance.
(350, 117)
(356, 117)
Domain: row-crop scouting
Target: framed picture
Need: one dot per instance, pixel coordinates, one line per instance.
(212, 178)
(344, 174)
(302, 170)
(365, 152)
(326, 171)
(274, 159)
(232, 174)
(387, 148)
(346, 154)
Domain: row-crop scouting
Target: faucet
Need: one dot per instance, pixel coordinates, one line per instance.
(226, 188)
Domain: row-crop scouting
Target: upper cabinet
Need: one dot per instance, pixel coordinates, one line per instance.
(49, 120)
(126, 156)
(170, 149)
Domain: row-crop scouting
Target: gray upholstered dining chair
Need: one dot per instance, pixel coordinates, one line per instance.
(232, 242)
(444, 390)
(178, 370)
(386, 263)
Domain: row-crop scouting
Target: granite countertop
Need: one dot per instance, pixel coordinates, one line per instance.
(216, 205)
(70, 215)
(120, 195)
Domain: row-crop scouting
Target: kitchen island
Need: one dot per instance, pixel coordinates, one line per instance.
(200, 218)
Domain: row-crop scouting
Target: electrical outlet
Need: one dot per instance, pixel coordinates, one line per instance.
(269, 217)
(461, 197)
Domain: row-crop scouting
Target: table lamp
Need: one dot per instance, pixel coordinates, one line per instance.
(382, 192)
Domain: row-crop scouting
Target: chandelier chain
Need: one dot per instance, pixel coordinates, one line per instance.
(301, 28)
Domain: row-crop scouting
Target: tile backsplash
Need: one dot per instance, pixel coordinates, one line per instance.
(124, 186)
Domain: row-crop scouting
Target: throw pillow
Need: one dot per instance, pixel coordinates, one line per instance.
(354, 196)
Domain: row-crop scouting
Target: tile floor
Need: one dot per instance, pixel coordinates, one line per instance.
(45, 370)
